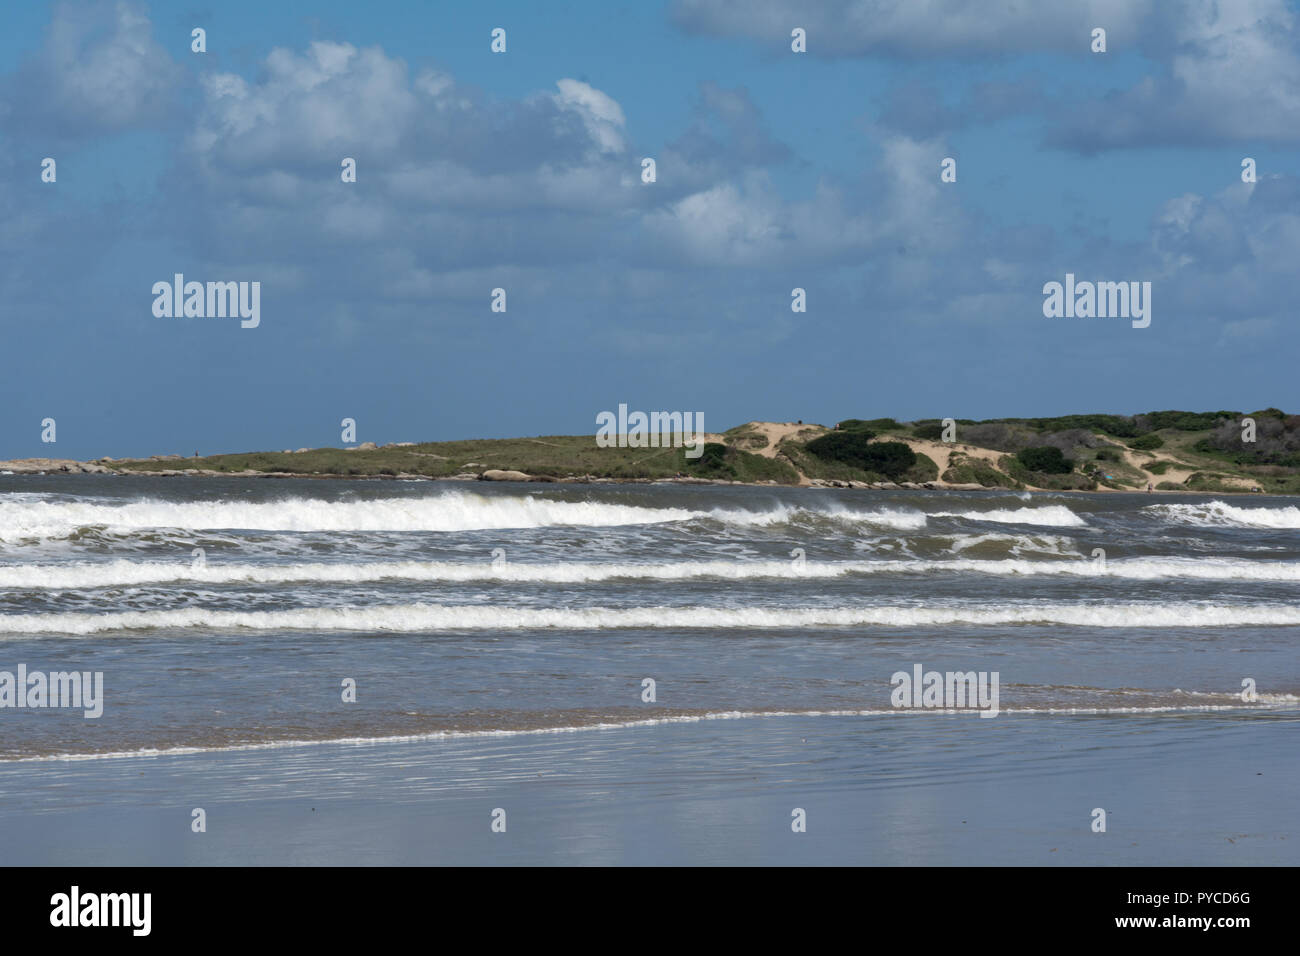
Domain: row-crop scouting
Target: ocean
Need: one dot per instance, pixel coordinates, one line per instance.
(377, 672)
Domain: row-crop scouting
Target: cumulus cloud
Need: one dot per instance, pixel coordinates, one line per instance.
(1231, 255)
(457, 189)
(100, 70)
(1213, 72)
(1229, 72)
(601, 115)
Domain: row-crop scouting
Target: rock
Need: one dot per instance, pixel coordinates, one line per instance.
(301, 450)
(497, 474)
(400, 444)
(90, 468)
(888, 486)
(367, 446)
(911, 486)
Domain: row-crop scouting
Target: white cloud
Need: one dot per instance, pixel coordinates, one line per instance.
(100, 70)
(602, 115)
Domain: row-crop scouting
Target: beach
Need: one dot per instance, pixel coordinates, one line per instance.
(1180, 789)
(366, 671)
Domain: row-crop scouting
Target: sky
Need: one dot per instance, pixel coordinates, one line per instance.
(522, 170)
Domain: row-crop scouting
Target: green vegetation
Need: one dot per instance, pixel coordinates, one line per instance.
(924, 470)
(721, 461)
(1118, 425)
(1147, 442)
(843, 446)
(746, 438)
(1183, 421)
(891, 459)
(930, 431)
(1072, 481)
(1046, 459)
(875, 425)
(962, 469)
(1066, 452)
(555, 456)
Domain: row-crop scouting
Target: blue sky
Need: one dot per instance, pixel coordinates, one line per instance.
(522, 171)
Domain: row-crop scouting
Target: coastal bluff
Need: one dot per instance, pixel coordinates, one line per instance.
(1157, 451)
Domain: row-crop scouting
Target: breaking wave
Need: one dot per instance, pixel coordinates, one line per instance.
(437, 617)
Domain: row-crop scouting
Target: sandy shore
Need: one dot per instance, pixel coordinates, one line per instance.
(883, 791)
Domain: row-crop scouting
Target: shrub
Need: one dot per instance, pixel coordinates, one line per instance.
(856, 425)
(840, 445)
(1120, 426)
(932, 431)
(977, 471)
(1183, 421)
(713, 459)
(1045, 459)
(1148, 442)
(889, 458)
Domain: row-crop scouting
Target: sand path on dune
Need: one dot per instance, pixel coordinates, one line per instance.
(941, 451)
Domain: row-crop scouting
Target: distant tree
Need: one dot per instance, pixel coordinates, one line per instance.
(1147, 442)
(1045, 459)
(889, 458)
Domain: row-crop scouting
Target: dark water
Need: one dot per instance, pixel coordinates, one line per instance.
(771, 622)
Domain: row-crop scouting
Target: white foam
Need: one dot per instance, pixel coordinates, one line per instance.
(900, 520)
(457, 511)
(1053, 516)
(124, 573)
(437, 617)
(1019, 543)
(630, 723)
(454, 511)
(1219, 514)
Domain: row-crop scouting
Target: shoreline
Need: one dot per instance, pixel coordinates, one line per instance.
(409, 803)
(65, 467)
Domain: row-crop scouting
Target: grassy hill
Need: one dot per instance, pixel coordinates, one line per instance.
(1172, 450)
